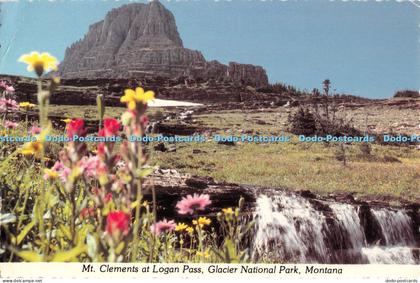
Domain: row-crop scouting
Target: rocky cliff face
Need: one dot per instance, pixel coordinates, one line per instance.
(138, 40)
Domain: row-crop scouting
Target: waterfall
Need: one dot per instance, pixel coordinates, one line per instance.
(395, 226)
(350, 222)
(394, 255)
(291, 228)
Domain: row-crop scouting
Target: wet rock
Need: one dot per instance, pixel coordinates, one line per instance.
(371, 227)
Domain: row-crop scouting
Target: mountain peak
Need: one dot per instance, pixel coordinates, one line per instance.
(138, 39)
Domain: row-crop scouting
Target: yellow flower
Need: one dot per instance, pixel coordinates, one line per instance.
(52, 174)
(189, 230)
(181, 227)
(202, 221)
(27, 105)
(205, 254)
(68, 120)
(32, 148)
(132, 97)
(228, 211)
(40, 62)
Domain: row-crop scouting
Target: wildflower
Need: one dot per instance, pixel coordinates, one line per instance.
(64, 174)
(7, 88)
(144, 120)
(67, 120)
(132, 97)
(32, 148)
(190, 203)
(50, 174)
(108, 197)
(163, 226)
(181, 227)
(205, 254)
(10, 125)
(189, 230)
(8, 104)
(34, 130)
(90, 166)
(111, 128)
(76, 128)
(117, 222)
(87, 212)
(39, 62)
(101, 149)
(62, 171)
(228, 211)
(10, 89)
(26, 105)
(202, 221)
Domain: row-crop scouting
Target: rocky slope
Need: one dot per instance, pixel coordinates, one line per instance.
(138, 40)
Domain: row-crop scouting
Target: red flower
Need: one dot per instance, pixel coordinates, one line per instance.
(87, 212)
(117, 221)
(101, 149)
(76, 127)
(111, 128)
(144, 120)
(108, 197)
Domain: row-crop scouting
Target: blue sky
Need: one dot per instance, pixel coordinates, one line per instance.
(368, 49)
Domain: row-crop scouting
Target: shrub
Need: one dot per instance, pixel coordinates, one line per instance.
(407, 94)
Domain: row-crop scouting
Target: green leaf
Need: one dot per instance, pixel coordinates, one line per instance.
(25, 232)
(119, 248)
(30, 256)
(69, 255)
(65, 230)
(142, 173)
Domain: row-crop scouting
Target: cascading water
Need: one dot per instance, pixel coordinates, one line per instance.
(395, 226)
(290, 228)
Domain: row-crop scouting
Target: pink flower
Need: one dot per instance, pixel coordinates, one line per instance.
(6, 87)
(163, 226)
(58, 166)
(90, 166)
(63, 171)
(34, 130)
(8, 104)
(190, 203)
(10, 89)
(64, 174)
(10, 124)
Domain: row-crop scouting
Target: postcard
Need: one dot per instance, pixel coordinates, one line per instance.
(209, 140)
